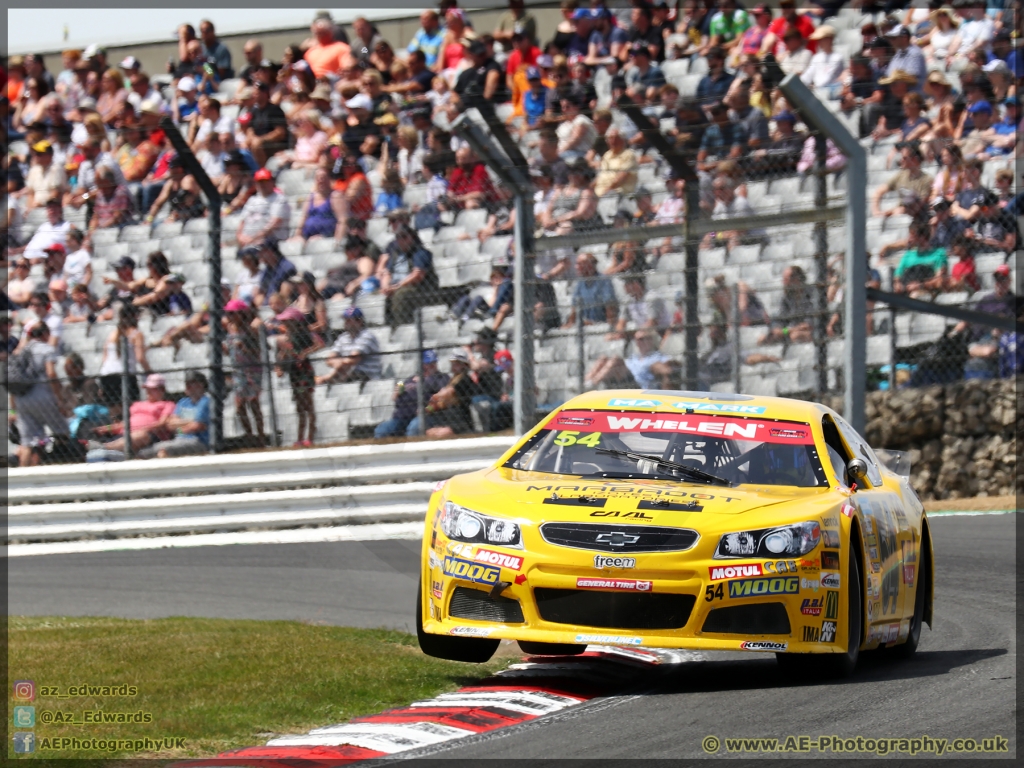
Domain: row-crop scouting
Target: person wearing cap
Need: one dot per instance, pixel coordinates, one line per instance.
(45, 178)
(242, 345)
(993, 229)
(53, 264)
(149, 420)
(405, 398)
(276, 269)
(907, 57)
(293, 352)
(168, 298)
(54, 230)
(428, 39)
(885, 115)
(267, 131)
(484, 78)
(825, 69)
(985, 342)
(190, 423)
(643, 76)
(121, 287)
(265, 214)
(355, 354)
(407, 277)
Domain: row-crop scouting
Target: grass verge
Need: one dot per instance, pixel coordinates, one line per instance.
(219, 684)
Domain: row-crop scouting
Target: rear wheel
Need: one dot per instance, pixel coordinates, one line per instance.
(907, 649)
(474, 650)
(834, 664)
(550, 649)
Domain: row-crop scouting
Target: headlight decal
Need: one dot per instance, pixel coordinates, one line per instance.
(780, 541)
(466, 525)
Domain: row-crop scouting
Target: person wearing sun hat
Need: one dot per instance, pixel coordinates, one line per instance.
(242, 344)
(826, 67)
(355, 355)
(293, 353)
(886, 116)
(907, 56)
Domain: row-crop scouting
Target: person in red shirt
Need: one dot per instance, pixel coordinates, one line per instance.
(524, 54)
(469, 184)
(148, 418)
(772, 42)
(963, 275)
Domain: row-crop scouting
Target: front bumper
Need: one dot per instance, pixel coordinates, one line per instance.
(665, 601)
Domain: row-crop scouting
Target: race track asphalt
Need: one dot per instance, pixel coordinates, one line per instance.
(961, 683)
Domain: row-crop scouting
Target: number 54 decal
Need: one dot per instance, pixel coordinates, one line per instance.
(713, 592)
(566, 437)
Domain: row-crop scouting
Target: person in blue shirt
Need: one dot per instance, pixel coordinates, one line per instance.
(715, 84)
(536, 98)
(593, 295)
(407, 277)
(190, 422)
(428, 38)
(277, 269)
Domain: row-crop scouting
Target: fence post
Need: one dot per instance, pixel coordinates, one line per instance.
(126, 400)
(265, 367)
(216, 300)
(581, 348)
(690, 276)
(892, 348)
(821, 264)
(524, 400)
(421, 408)
(737, 359)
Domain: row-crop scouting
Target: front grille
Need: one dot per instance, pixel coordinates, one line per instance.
(474, 604)
(759, 619)
(619, 538)
(613, 610)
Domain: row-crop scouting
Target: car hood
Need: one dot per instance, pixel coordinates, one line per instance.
(541, 497)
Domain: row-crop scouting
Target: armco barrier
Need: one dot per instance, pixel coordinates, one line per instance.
(272, 490)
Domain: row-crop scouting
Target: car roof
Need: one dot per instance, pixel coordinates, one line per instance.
(671, 401)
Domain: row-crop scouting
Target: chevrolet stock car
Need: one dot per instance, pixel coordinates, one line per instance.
(703, 521)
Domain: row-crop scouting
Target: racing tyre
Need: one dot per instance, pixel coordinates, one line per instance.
(550, 649)
(834, 665)
(907, 649)
(474, 650)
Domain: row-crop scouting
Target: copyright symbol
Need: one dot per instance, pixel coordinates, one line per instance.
(46, 716)
(711, 744)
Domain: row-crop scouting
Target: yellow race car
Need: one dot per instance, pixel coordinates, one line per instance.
(680, 520)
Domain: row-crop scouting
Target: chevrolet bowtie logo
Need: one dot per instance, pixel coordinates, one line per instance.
(617, 538)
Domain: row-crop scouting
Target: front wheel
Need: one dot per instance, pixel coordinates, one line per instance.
(834, 665)
(473, 650)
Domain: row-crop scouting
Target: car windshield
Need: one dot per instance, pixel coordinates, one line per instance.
(724, 450)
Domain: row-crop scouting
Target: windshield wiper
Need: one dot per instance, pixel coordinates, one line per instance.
(685, 469)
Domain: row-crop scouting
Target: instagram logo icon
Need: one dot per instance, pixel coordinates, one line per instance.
(24, 690)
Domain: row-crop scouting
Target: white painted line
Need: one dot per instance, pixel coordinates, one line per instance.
(969, 513)
(425, 730)
(376, 742)
(369, 532)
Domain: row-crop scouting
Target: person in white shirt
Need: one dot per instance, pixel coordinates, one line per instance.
(976, 31)
(265, 214)
(212, 157)
(142, 93)
(826, 67)
(45, 177)
(78, 264)
(729, 205)
(53, 230)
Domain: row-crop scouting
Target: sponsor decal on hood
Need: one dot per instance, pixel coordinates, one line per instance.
(718, 572)
(615, 585)
(763, 645)
(711, 424)
(609, 639)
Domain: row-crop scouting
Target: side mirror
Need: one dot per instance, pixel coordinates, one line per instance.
(857, 469)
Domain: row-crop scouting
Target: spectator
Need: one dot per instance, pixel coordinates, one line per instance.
(142, 92)
(945, 227)
(910, 182)
(976, 32)
(94, 158)
(964, 273)
(715, 84)
(326, 55)
(984, 342)
(627, 256)
(237, 185)
(52, 231)
(860, 87)
(148, 420)
(481, 365)
(403, 418)
(113, 206)
(936, 41)
(790, 150)
(428, 39)
(793, 323)
(470, 185)
(345, 281)
(448, 411)
(214, 49)
(593, 296)
(304, 296)
(39, 406)
(266, 214)
(58, 295)
(755, 125)
(643, 31)
(550, 158)
(364, 40)
(907, 57)
(83, 306)
(190, 423)
(618, 172)
(646, 369)
(267, 130)
(123, 287)
(886, 114)
(137, 155)
(484, 78)
(716, 365)
(774, 39)
(825, 69)
(516, 21)
(167, 297)
(392, 189)
(574, 206)
(21, 284)
(994, 229)
(497, 303)
(967, 202)
(79, 389)
(643, 78)
(722, 139)
(950, 180)
(180, 193)
(728, 25)
(729, 205)
(276, 269)
(46, 179)
(242, 343)
(112, 366)
(748, 303)
(355, 355)
(185, 104)
(642, 309)
(795, 59)
(923, 269)
(253, 52)
(43, 312)
(407, 277)
(752, 39)
(522, 58)
(293, 353)
(325, 211)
